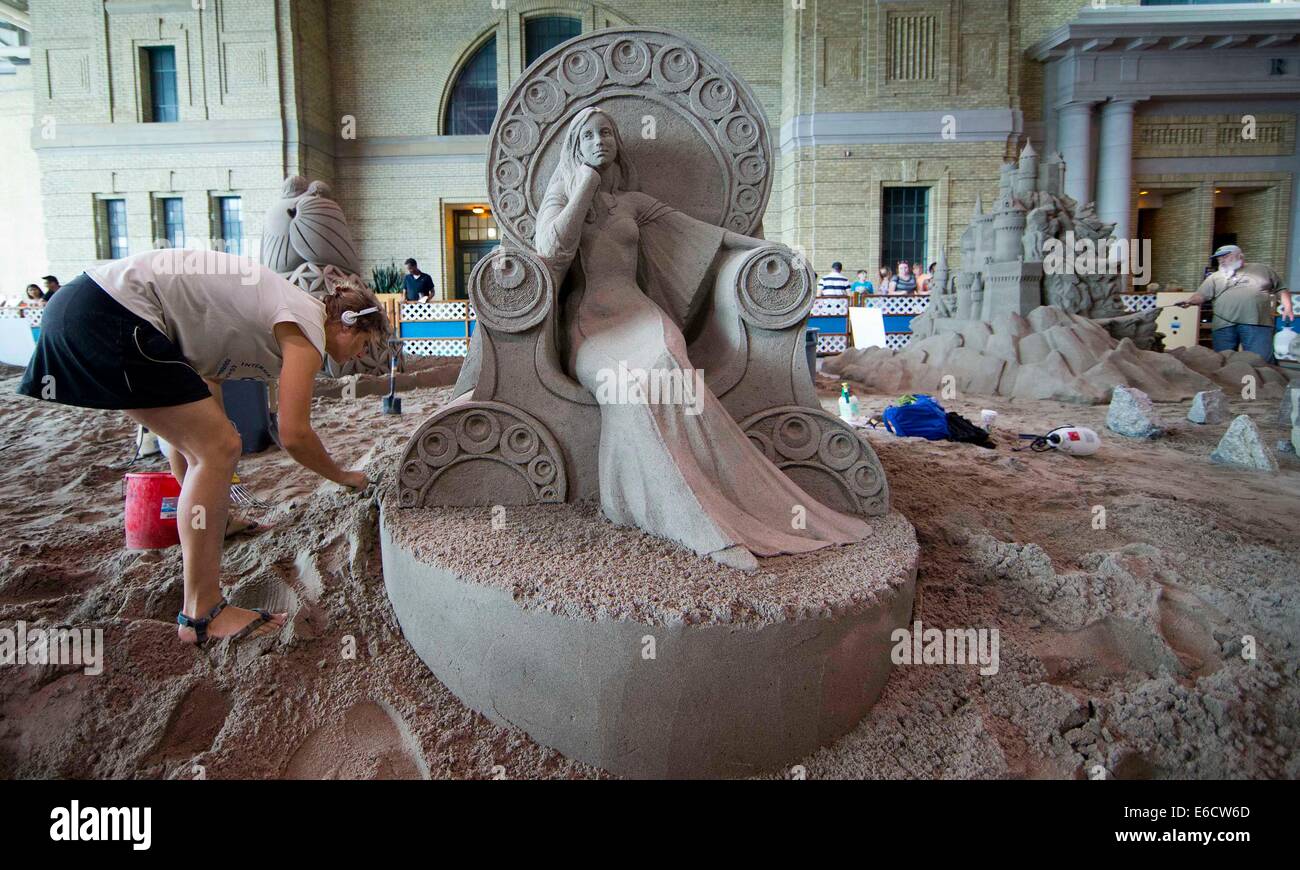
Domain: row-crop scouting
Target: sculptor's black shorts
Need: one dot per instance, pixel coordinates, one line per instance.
(94, 353)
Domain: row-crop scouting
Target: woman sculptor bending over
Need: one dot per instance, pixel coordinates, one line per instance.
(628, 261)
(154, 335)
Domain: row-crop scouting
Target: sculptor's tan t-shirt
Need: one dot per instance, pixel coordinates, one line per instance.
(1243, 297)
(219, 309)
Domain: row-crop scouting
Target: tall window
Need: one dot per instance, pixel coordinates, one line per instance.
(473, 102)
(171, 220)
(162, 101)
(230, 224)
(543, 33)
(903, 230)
(115, 239)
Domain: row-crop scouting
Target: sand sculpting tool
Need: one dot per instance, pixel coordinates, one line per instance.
(243, 496)
(393, 402)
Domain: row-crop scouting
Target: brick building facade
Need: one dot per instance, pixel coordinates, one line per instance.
(864, 97)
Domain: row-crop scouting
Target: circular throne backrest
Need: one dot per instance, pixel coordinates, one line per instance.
(694, 131)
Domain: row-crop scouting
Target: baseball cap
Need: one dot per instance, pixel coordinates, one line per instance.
(1226, 249)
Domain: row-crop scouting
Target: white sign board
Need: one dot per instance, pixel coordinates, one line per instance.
(16, 342)
(1181, 326)
(868, 325)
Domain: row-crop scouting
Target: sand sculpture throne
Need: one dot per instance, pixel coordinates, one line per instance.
(521, 429)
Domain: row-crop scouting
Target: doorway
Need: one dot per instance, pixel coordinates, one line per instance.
(474, 236)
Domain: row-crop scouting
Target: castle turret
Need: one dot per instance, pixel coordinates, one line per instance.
(1026, 176)
(939, 280)
(1006, 178)
(983, 224)
(1051, 174)
(1008, 228)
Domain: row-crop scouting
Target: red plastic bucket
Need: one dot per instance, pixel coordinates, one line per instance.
(151, 498)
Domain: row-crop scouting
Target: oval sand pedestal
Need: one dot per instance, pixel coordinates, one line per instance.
(633, 655)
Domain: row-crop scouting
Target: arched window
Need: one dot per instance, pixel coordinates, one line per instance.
(473, 102)
(543, 33)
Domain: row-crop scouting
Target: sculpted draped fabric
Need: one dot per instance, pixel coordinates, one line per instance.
(634, 280)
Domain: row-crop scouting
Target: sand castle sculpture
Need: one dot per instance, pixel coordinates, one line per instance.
(305, 237)
(1017, 320)
(640, 348)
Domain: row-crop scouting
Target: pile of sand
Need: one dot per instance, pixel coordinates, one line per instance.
(1050, 354)
(1120, 646)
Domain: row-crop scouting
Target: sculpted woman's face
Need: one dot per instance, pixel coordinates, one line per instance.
(596, 142)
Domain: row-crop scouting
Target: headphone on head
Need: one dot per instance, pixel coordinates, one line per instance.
(350, 318)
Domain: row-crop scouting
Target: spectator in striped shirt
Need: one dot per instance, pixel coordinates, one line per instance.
(834, 284)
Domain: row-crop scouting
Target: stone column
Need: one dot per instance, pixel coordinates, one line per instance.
(1293, 252)
(1115, 166)
(1074, 138)
(1051, 131)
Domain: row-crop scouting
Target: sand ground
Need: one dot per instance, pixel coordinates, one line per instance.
(1121, 643)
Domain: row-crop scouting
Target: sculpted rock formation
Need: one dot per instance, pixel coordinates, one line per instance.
(303, 234)
(1131, 414)
(1243, 447)
(1020, 319)
(1208, 406)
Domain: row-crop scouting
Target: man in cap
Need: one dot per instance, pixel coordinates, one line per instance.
(1242, 297)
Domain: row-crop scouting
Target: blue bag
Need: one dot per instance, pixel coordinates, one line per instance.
(923, 418)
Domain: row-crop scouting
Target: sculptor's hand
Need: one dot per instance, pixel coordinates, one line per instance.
(355, 480)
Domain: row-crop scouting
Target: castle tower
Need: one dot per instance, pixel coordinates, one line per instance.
(983, 224)
(972, 260)
(1026, 175)
(1006, 178)
(1008, 227)
(1051, 174)
(939, 280)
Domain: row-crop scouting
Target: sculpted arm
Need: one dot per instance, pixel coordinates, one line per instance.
(559, 222)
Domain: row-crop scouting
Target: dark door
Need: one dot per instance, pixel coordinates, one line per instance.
(476, 237)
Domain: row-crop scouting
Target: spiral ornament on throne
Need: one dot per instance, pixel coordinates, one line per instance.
(713, 97)
(492, 434)
(812, 442)
(627, 61)
(580, 72)
(774, 293)
(544, 100)
(675, 68)
(511, 290)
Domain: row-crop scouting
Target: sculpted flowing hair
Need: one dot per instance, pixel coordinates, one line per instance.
(557, 189)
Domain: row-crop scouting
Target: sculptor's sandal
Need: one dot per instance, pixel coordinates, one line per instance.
(248, 530)
(200, 625)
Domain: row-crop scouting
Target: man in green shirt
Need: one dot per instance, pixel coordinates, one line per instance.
(1242, 296)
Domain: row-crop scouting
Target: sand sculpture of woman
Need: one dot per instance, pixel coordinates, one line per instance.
(682, 471)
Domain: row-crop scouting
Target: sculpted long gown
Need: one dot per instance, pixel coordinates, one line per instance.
(693, 478)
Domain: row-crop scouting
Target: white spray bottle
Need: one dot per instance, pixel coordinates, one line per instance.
(1075, 440)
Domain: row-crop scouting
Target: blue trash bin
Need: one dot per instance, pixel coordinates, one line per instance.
(246, 406)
